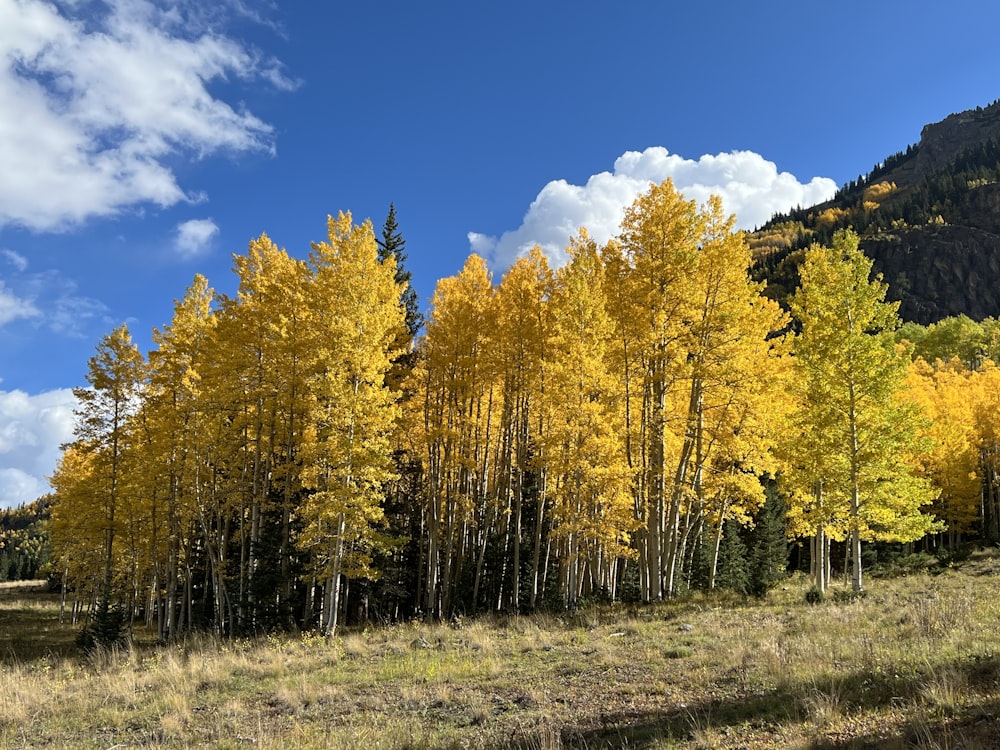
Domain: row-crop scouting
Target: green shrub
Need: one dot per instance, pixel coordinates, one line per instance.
(814, 595)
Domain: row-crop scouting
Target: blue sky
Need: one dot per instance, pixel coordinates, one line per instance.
(143, 142)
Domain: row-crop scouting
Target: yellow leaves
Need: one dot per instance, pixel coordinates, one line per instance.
(831, 217)
(583, 444)
(878, 192)
(355, 321)
(856, 434)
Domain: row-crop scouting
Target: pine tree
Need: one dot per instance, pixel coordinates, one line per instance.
(392, 245)
(733, 565)
(768, 552)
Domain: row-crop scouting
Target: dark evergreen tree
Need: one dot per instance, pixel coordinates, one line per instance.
(733, 572)
(394, 596)
(392, 245)
(768, 557)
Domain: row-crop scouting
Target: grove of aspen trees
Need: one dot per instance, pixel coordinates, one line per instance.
(305, 454)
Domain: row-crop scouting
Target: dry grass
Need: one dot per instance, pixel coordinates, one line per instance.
(916, 664)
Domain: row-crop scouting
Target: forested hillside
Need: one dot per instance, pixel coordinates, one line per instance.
(24, 540)
(928, 216)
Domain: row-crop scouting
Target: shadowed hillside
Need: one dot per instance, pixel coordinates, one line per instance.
(929, 217)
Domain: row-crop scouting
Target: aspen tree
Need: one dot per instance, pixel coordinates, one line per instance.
(116, 374)
(951, 460)
(700, 334)
(854, 378)
(583, 444)
(78, 540)
(175, 423)
(986, 398)
(519, 347)
(258, 382)
(102, 456)
(456, 393)
(660, 235)
(347, 454)
(732, 409)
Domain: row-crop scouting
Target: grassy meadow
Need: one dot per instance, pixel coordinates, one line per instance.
(915, 663)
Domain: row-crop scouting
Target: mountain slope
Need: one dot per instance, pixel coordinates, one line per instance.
(929, 217)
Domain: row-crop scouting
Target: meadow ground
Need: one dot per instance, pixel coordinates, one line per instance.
(914, 664)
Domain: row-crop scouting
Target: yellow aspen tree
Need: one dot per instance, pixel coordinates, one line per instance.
(660, 236)
(175, 422)
(730, 407)
(951, 461)
(103, 453)
(115, 375)
(584, 442)
(356, 320)
(743, 422)
(627, 361)
(815, 503)
(986, 399)
(701, 332)
(77, 536)
(258, 378)
(455, 392)
(854, 378)
(519, 346)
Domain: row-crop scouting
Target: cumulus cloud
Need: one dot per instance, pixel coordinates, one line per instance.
(750, 187)
(194, 236)
(96, 98)
(32, 427)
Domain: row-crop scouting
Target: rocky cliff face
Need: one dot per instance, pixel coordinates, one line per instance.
(942, 142)
(940, 271)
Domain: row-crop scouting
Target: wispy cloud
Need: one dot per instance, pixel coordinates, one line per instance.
(195, 236)
(48, 300)
(96, 98)
(13, 307)
(749, 185)
(18, 261)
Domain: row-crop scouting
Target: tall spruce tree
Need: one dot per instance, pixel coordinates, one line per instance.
(392, 245)
(769, 545)
(402, 511)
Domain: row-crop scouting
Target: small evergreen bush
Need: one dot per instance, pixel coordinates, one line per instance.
(105, 629)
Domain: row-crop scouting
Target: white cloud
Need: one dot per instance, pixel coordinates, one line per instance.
(17, 260)
(31, 430)
(96, 98)
(194, 236)
(750, 187)
(13, 307)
